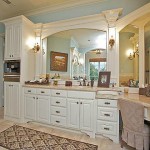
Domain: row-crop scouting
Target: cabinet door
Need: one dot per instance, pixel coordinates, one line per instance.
(11, 99)
(30, 108)
(17, 41)
(73, 113)
(7, 98)
(15, 100)
(86, 115)
(43, 108)
(8, 42)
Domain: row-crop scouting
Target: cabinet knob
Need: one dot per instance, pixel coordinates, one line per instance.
(107, 115)
(107, 103)
(58, 112)
(42, 92)
(57, 102)
(106, 128)
(29, 90)
(34, 97)
(37, 98)
(80, 102)
(77, 102)
(57, 93)
(57, 121)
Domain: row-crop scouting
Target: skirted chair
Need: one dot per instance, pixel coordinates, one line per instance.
(135, 133)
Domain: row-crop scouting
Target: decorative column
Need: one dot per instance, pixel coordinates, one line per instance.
(39, 55)
(141, 56)
(112, 43)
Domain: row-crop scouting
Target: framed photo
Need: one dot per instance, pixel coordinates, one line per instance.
(104, 79)
(58, 61)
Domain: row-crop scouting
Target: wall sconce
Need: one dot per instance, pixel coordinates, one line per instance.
(36, 48)
(111, 42)
(132, 55)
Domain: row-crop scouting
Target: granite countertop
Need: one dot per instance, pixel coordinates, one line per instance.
(75, 87)
(132, 97)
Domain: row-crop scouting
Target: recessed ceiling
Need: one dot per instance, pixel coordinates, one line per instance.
(11, 8)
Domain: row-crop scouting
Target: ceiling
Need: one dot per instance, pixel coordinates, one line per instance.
(11, 8)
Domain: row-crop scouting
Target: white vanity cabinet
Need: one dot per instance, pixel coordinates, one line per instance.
(30, 103)
(12, 100)
(43, 105)
(108, 119)
(58, 107)
(37, 104)
(81, 110)
(13, 42)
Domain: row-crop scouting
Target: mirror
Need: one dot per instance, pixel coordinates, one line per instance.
(147, 53)
(129, 56)
(86, 50)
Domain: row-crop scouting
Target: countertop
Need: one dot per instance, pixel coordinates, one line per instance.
(132, 97)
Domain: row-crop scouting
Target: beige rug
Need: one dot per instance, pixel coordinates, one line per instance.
(22, 138)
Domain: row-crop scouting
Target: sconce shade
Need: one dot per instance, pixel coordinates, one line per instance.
(111, 42)
(132, 56)
(36, 48)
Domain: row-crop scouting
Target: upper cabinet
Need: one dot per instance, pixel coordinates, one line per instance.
(13, 43)
(19, 42)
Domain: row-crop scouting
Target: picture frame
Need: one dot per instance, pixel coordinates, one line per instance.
(104, 79)
(58, 61)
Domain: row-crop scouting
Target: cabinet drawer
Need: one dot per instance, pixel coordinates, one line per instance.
(59, 93)
(43, 91)
(30, 90)
(59, 111)
(107, 103)
(83, 95)
(57, 101)
(110, 114)
(58, 120)
(105, 127)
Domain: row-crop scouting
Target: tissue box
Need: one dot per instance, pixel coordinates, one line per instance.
(68, 83)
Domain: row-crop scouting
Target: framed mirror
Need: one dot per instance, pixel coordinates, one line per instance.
(86, 50)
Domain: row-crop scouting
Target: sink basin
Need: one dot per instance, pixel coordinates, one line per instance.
(107, 93)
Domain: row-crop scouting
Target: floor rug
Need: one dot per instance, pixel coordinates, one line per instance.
(22, 138)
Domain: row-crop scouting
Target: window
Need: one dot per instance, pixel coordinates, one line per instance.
(95, 68)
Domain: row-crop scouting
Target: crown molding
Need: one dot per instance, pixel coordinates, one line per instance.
(121, 23)
(64, 5)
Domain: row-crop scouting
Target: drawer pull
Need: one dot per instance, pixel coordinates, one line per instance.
(42, 92)
(106, 128)
(57, 121)
(57, 102)
(29, 90)
(57, 93)
(107, 115)
(107, 103)
(58, 112)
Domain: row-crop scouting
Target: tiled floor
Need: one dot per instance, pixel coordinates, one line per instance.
(103, 143)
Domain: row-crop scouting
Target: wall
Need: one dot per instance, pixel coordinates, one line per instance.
(125, 65)
(58, 44)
